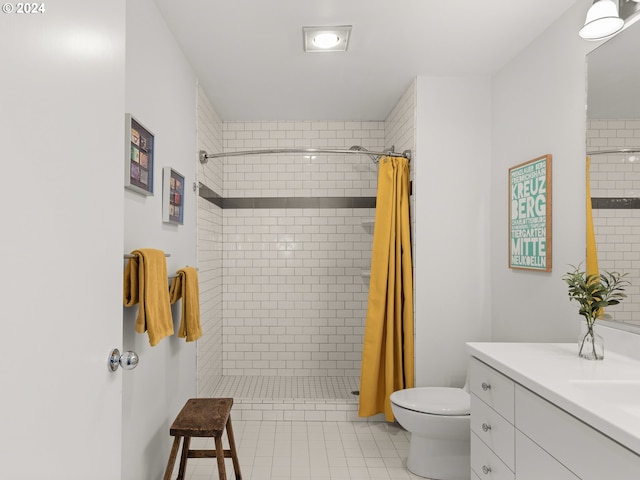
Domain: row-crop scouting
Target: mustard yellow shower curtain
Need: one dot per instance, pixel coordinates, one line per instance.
(592, 250)
(387, 352)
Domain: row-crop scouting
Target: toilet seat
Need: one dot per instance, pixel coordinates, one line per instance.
(434, 400)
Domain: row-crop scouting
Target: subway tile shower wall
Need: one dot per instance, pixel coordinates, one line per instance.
(282, 289)
(300, 175)
(617, 230)
(209, 248)
(400, 132)
(295, 297)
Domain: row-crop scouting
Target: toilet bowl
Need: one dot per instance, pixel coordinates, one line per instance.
(438, 419)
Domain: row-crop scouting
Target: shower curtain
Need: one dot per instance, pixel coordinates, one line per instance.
(388, 351)
(592, 250)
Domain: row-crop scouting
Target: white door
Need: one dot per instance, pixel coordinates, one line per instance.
(61, 171)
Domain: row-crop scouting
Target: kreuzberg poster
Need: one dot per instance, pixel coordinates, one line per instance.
(530, 215)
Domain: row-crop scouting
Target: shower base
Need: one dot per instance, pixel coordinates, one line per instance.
(319, 399)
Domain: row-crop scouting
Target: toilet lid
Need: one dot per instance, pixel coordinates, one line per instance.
(434, 400)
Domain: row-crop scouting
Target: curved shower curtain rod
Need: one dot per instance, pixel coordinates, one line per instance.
(204, 156)
(611, 152)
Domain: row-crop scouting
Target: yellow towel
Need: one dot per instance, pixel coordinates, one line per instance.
(146, 281)
(185, 285)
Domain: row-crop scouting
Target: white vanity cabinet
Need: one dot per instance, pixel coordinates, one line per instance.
(536, 464)
(517, 434)
(492, 427)
(587, 453)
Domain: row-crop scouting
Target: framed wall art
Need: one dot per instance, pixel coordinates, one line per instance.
(530, 215)
(172, 196)
(139, 157)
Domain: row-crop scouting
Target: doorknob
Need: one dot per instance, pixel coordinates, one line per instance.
(128, 360)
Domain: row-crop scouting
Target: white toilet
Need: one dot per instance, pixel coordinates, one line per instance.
(438, 419)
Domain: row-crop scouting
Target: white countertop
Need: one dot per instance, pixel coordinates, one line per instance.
(602, 393)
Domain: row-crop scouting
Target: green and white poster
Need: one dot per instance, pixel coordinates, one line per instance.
(530, 215)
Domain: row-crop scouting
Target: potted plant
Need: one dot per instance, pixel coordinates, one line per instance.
(594, 293)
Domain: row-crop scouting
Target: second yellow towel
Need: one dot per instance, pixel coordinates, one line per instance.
(185, 285)
(145, 281)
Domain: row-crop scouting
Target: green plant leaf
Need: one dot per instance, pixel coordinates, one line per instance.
(594, 293)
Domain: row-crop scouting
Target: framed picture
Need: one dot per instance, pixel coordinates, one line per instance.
(172, 196)
(530, 215)
(138, 157)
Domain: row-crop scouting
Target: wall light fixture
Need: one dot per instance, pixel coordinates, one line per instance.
(607, 17)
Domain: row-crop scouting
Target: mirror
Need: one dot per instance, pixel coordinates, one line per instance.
(613, 126)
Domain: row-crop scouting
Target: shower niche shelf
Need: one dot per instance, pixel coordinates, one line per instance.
(367, 225)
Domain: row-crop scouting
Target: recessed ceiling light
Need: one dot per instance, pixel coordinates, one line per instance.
(326, 39)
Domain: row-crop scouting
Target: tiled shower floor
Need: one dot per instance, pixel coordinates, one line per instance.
(310, 388)
(292, 398)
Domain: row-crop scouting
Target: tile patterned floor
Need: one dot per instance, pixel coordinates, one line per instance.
(317, 388)
(306, 399)
(304, 428)
(283, 450)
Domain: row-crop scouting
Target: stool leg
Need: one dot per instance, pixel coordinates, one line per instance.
(232, 447)
(183, 459)
(172, 458)
(222, 473)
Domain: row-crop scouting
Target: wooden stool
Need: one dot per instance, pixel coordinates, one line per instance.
(203, 417)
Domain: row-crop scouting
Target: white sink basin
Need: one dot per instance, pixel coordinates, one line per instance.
(621, 394)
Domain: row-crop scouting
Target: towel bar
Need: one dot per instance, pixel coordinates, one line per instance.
(128, 255)
(174, 275)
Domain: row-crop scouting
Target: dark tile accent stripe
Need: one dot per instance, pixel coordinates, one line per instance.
(611, 203)
(286, 202)
(300, 202)
(208, 194)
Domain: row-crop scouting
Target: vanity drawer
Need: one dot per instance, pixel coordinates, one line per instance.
(486, 464)
(493, 388)
(580, 448)
(535, 464)
(494, 430)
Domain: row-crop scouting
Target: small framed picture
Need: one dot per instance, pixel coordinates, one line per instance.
(172, 196)
(138, 157)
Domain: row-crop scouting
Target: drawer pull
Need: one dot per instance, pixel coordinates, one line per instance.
(485, 427)
(486, 386)
(486, 470)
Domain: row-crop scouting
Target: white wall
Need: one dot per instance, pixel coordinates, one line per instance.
(539, 108)
(161, 94)
(452, 194)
